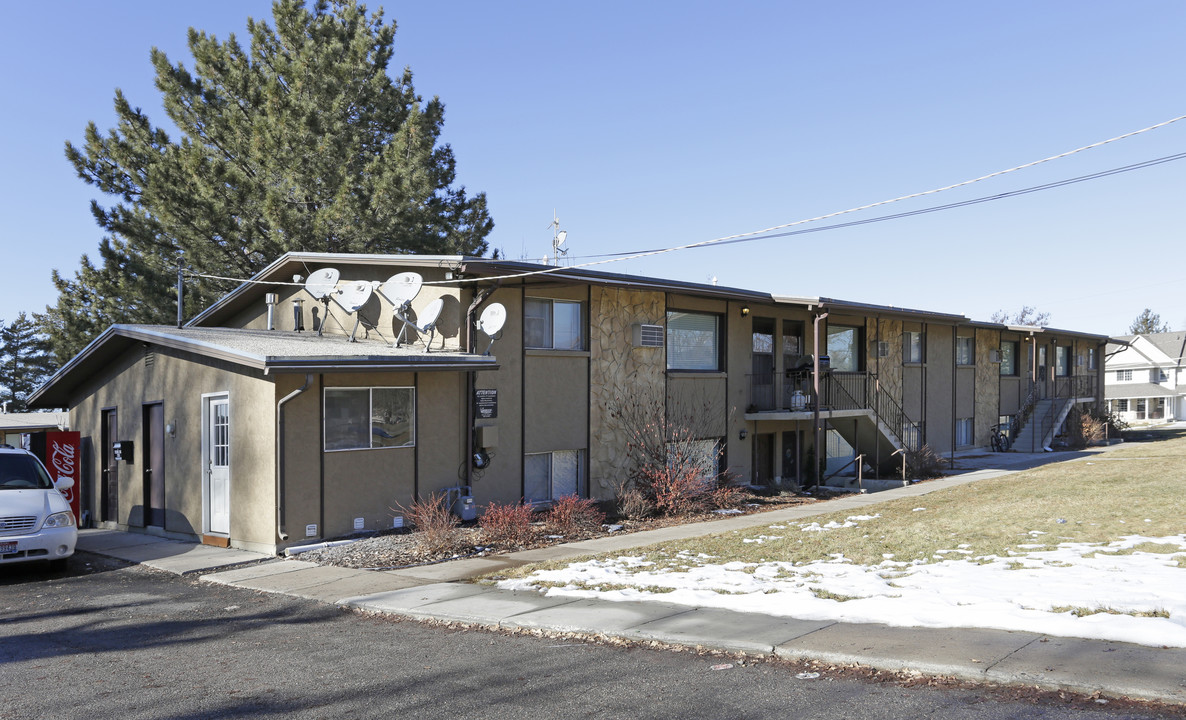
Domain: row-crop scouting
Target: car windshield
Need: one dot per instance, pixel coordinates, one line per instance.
(22, 472)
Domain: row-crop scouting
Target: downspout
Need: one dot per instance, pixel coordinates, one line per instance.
(471, 379)
(817, 441)
(280, 532)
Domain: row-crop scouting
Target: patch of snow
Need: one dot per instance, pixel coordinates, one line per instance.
(1018, 592)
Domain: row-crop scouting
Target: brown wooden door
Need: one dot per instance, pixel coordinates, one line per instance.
(154, 465)
(109, 480)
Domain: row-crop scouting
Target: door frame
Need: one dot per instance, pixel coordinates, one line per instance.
(108, 466)
(152, 457)
(207, 400)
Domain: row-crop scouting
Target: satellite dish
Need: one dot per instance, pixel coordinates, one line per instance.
(491, 321)
(428, 318)
(354, 296)
(351, 298)
(401, 288)
(323, 283)
(427, 322)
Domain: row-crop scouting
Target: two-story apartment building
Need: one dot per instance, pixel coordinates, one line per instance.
(1145, 381)
(273, 418)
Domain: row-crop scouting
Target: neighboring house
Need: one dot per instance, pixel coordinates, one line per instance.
(1145, 381)
(15, 426)
(263, 438)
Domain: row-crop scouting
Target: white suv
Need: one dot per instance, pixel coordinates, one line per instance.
(35, 520)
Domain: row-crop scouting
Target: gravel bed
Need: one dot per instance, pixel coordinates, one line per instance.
(399, 549)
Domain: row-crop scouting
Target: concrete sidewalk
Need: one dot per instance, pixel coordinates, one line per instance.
(440, 592)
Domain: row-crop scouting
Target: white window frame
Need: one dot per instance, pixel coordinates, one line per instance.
(555, 459)
(913, 347)
(1009, 359)
(368, 421)
(1124, 376)
(965, 434)
(686, 346)
(965, 350)
(561, 335)
(1091, 358)
(1062, 361)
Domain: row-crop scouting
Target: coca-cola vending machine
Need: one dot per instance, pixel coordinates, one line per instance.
(60, 450)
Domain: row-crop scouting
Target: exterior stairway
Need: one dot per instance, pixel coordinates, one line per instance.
(1038, 431)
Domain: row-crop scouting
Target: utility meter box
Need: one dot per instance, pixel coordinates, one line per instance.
(461, 502)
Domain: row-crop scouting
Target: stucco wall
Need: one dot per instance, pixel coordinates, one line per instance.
(177, 380)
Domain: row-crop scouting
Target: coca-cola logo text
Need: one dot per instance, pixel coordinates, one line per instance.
(63, 459)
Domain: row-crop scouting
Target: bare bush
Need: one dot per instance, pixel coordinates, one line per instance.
(434, 522)
(674, 454)
(571, 515)
(633, 503)
(507, 525)
(924, 463)
(1085, 427)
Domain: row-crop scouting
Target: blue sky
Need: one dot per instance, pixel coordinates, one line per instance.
(654, 124)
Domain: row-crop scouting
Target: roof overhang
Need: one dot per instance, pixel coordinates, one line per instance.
(269, 352)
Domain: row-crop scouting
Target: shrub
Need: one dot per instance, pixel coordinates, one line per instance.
(570, 515)
(727, 496)
(678, 491)
(508, 524)
(633, 503)
(435, 524)
(924, 464)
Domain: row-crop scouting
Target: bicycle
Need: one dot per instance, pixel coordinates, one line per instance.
(999, 439)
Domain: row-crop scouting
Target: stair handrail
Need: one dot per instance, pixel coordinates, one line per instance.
(885, 409)
(898, 420)
(1023, 413)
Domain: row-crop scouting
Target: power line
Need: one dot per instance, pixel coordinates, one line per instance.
(769, 233)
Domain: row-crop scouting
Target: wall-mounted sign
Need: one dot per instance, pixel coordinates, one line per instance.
(486, 403)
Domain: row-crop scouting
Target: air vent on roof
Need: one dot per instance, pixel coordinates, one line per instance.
(149, 356)
(646, 335)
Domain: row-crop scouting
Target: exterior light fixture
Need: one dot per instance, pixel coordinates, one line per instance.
(745, 311)
(743, 434)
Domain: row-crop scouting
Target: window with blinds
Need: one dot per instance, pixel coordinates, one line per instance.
(693, 341)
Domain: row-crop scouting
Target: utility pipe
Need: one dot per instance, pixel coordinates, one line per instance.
(280, 454)
(818, 439)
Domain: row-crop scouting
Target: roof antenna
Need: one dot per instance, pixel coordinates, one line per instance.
(558, 238)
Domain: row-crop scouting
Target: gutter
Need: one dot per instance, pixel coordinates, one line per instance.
(280, 532)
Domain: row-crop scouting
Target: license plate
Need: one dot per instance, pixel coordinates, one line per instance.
(7, 547)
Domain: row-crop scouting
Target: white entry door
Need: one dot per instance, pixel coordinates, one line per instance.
(218, 465)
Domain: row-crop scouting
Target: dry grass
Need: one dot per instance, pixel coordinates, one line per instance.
(1133, 490)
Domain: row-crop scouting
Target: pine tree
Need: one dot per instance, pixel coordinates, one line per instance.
(298, 141)
(25, 361)
(1148, 322)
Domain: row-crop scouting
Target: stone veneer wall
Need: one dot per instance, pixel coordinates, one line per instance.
(617, 369)
(988, 385)
(888, 368)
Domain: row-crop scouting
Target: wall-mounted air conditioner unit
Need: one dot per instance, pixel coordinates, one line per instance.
(994, 356)
(643, 335)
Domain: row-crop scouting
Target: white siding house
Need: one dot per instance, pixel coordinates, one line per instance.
(1144, 379)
